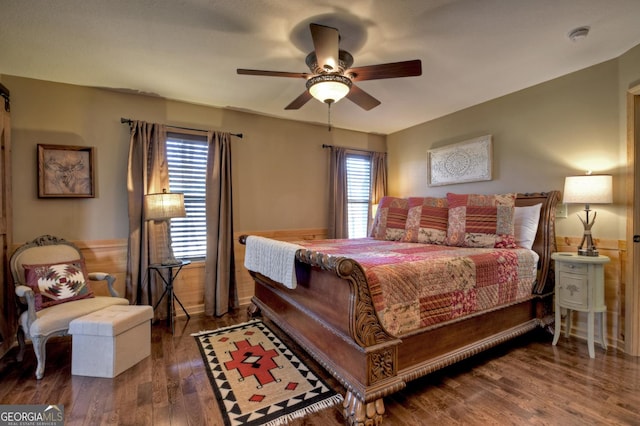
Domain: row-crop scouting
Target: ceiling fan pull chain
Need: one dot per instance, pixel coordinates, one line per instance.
(329, 115)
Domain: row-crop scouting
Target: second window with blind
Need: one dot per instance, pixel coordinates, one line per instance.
(358, 194)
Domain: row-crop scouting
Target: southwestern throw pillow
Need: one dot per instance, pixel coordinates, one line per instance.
(57, 283)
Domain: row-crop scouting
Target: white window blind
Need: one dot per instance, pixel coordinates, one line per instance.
(358, 192)
(187, 159)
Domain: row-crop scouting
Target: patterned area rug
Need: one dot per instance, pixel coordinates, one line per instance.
(256, 377)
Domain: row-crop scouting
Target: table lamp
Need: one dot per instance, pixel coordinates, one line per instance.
(162, 207)
(588, 189)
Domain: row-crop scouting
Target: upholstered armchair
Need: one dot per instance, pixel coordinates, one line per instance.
(52, 289)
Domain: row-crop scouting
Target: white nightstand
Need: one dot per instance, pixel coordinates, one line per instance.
(580, 287)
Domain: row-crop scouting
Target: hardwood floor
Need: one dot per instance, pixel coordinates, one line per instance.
(526, 381)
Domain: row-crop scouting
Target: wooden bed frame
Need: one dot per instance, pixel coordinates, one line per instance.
(331, 315)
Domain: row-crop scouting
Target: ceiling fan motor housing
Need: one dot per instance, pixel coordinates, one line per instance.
(345, 60)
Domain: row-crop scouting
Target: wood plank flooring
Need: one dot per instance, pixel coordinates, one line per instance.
(523, 382)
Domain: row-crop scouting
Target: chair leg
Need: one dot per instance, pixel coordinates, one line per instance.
(39, 347)
(20, 336)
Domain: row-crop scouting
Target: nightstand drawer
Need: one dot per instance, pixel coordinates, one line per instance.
(572, 268)
(573, 290)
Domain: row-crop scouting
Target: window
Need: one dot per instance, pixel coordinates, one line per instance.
(187, 159)
(358, 192)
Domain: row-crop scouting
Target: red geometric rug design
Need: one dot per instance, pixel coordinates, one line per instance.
(257, 379)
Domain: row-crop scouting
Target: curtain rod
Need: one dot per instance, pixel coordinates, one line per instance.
(324, 145)
(129, 121)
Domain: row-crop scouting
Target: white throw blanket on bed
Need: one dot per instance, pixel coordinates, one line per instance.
(273, 259)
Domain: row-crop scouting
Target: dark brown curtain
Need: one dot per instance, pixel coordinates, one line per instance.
(220, 290)
(147, 173)
(378, 179)
(338, 201)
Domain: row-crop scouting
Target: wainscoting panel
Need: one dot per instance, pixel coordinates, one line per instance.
(189, 288)
(108, 256)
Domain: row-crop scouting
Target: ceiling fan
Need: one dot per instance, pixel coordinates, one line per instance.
(332, 77)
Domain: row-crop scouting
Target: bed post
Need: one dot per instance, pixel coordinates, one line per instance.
(358, 413)
(545, 241)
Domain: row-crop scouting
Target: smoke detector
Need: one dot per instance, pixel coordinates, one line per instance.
(578, 34)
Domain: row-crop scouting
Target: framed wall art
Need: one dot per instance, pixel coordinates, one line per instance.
(65, 171)
(468, 161)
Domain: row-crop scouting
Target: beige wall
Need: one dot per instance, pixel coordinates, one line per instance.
(540, 135)
(280, 169)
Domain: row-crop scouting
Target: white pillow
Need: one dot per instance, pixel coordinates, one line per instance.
(526, 224)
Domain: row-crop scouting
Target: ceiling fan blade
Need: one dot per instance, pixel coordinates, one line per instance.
(300, 100)
(362, 98)
(325, 42)
(274, 73)
(390, 70)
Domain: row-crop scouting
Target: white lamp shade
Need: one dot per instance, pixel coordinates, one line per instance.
(588, 189)
(331, 91)
(329, 88)
(165, 205)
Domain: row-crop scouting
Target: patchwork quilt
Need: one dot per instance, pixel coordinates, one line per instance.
(419, 285)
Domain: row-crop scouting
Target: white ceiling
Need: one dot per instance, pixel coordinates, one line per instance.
(471, 50)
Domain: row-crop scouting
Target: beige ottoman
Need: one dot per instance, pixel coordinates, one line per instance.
(107, 342)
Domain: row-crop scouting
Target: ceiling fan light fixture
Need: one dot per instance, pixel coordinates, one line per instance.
(329, 88)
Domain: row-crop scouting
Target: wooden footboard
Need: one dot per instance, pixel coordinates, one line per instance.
(331, 315)
(331, 312)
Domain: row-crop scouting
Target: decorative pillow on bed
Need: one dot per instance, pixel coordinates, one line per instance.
(391, 219)
(427, 220)
(526, 224)
(57, 283)
(481, 220)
